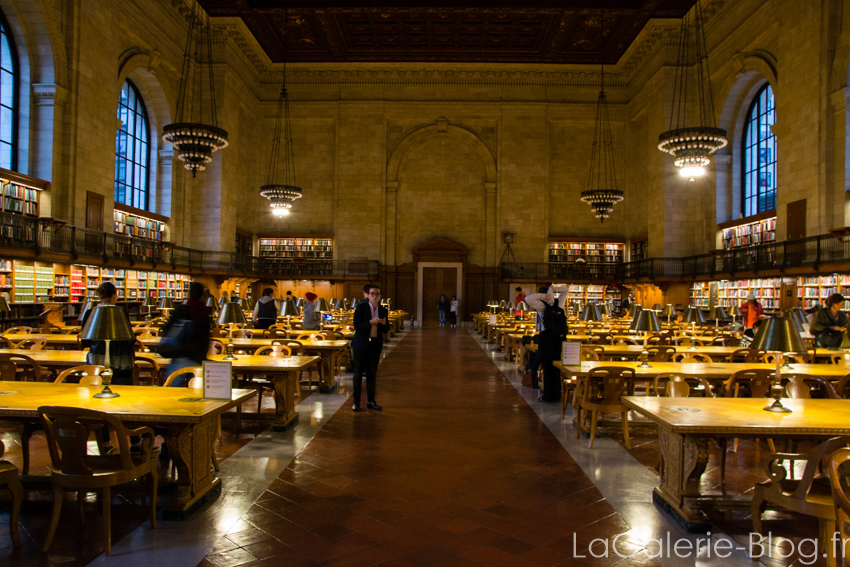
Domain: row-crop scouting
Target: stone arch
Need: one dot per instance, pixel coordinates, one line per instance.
(420, 136)
(750, 73)
(143, 69)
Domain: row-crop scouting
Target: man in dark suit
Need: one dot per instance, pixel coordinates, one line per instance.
(370, 324)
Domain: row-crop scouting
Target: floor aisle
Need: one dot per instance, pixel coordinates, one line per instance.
(457, 470)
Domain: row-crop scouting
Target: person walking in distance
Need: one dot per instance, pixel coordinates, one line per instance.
(453, 311)
(370, 324)
(442, 309)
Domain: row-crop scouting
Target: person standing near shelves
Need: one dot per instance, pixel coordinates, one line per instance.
(751, 312)
(266, 310)
(830, 323)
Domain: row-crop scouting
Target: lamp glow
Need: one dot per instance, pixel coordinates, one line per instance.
(692, 172)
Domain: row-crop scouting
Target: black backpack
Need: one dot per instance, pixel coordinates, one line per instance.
(555, 321)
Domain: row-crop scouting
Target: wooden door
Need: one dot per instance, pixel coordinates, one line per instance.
(796, 220)
(436, 282)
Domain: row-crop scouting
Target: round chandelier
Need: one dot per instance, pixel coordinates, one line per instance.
(194, 143)
(282, 193)
(692, 146)
(602, 201)
(192, 138)
(281, 197)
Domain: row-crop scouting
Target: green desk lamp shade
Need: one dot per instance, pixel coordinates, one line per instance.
(604, 309)
(668, 311)
(778, 334)
(657, 307)
(339, 304)
(212, 303)
(646, 321)
(323, 306)
(288, 309)
(799, 317)
(4, 307)
(734, 310)
(231, 313)
(718, 312)
(634, 308)
(107, 323)
(150, 302)
(694, 315)
(245, 304)
(522, 307)
(89, 304)
(166, 303)
(590, 313)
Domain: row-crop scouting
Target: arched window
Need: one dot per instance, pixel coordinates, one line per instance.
(132, 150)
(759, 169)
(8, 98)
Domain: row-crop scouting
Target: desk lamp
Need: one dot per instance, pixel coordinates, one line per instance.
(166, 305)
(244, 304)
(107, 323)
(634, 308)
(503, 305)
(734, 311)
(590, 313)
(332, 302)
(4, 307)
(646, 322)
(340, 304)
(668, 311)
(779, 335)
(657, 308)
(212, 304)
(693, 316)
(299, 303)
(322, 306)
(605, 311)
(492, 305)
(89, 304)
(797, 315)
(231, 314)
(149, 303)
(718, 313)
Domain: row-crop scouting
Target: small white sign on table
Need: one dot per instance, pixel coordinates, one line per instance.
(218, 381)
(494, 319)
(570, 353)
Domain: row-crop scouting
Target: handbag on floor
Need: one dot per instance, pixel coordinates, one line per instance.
(529, 379)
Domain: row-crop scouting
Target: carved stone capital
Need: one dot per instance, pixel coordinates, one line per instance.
(392, 186)
(840, 100)
(166, 156)
(49, 95)
(723, 161)
(490, 187)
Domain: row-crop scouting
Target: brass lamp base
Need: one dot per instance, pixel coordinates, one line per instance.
(229, 352)
(106, 393)
(777, 407)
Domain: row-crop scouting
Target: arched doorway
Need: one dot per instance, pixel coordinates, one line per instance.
(439, 271)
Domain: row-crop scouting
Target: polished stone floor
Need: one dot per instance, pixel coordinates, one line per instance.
(463, 467)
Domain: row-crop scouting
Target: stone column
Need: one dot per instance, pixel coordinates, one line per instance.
(840, 102)
(390, 256)
(491, 230)
(48, 130)
(727, 207)
(165, 196)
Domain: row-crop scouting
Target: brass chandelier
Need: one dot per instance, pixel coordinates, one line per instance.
(192, 138)
(602, 193)
(692, 146)
(282, 192)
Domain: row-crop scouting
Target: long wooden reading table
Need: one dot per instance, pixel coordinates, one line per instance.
(687, 425)
(191, 422)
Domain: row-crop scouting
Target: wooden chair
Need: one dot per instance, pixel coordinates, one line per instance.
(839, 469)
(15, 330)
(568, 391)
(259, 382)
(725, 340)
(216, 347)
(791, 358)
(691, 357)
(30, 344)
(625, 341)
(84, 375)
(836, 359)
(67, 430)
(660, 353)
(842, 387)
(602, 339)
(308, 336)
(146, 370)
(746, 355)
(797, 388)
(688, 341)
(811, 495)
(20, 367)
(589, 353)
(196, 381)
(758, 382)
(9, 479)
(600, 393)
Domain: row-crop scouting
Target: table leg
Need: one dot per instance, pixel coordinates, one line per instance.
(683, 461)
(285, 415)
(327, 380)
(190, 446)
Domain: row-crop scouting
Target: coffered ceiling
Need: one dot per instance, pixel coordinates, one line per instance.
(506, 31)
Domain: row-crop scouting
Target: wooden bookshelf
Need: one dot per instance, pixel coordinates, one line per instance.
(735, 292)
(750, 231)
(137, 222)
(813, 290)
(699, 295)
(21, 193)
(244, 242)
(638, 248)
(297, 246)
(601, 255)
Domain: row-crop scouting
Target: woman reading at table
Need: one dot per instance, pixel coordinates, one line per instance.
(830, 323)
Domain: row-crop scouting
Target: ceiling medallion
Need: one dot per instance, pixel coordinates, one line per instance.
(193, 139)
(692, 146)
